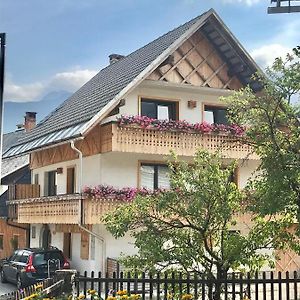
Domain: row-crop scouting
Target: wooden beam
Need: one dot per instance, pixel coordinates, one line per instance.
(198, 67)
(182, 58)
(214, 74)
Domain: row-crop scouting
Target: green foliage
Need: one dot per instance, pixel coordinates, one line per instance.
(190, 227)
(272, 117)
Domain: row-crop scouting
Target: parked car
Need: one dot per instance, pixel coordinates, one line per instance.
(30, 265)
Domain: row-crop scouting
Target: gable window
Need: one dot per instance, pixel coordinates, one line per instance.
(159, 109)
(50, 183)
(154, 176)
(215, 114)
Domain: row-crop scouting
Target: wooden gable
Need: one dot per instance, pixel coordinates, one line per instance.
(196, 62)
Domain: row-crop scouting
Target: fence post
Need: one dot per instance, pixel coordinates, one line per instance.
(99, 284)
(287, 285)
(143, 286)
(295, 285)
(256, 285)
(195, 285)
(165, 286)
(158, 285)
(272, 285)
(279, 286)
(264, 286)
(151, 285)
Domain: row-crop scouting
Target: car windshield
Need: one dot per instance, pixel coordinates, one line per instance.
(43, 258)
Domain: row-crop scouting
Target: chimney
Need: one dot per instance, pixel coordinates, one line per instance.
(114, 58)
(30, 120)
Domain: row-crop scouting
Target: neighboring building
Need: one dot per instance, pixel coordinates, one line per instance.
(178, 76)
(15, 170)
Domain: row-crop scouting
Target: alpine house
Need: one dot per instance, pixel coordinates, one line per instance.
(96, 138)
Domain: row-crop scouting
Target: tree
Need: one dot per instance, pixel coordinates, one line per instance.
(190, 227)
(272, 118)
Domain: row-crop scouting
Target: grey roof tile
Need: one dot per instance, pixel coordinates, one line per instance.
(12, 164)
(11, 138)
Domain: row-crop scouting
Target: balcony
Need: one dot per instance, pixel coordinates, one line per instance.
(135, 139)
(28, 207)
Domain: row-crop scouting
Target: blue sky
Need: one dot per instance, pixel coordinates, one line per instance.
(59, 44)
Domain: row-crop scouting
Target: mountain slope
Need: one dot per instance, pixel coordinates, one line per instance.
(14, 112)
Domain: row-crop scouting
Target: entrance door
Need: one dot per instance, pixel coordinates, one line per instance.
(46, 237)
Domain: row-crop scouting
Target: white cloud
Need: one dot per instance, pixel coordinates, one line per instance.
(266, 54)
(69, 81)
(23, 92)
(247, 2)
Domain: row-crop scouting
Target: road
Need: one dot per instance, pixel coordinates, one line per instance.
(6, 288)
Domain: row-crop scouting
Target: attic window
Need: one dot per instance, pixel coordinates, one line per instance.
(159, 109)
(215, 114)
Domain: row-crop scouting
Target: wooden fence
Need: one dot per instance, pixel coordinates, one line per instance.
(168, 286)
(27, 291)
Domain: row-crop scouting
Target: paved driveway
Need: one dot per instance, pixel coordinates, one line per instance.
(6, 288)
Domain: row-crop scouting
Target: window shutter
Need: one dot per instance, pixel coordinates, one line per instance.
(84, 251)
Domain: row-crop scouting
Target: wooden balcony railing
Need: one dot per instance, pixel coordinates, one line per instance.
(138, 140)
(60, 209)
(23, 191)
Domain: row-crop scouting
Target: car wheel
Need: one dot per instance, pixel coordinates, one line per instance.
(19, 282)
(3, 277)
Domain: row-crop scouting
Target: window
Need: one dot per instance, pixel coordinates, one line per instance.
(36, 178)
(71, 180)
(233, 177)
(154, 176)
(15, 242)
(67, 244)
(1, 241)
(33, 232)
(50, 183)
(215, 114)
(158, 109)
(24, 258)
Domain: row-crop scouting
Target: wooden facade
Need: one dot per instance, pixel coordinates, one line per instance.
(196, 62)
(7, 234)
(89, 146)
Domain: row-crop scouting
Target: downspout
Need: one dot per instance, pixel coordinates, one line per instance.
(80, 210)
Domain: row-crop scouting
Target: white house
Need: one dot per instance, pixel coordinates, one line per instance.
(178, 76)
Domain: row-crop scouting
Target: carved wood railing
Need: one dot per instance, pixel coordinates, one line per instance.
(60, 209)
(138, 140)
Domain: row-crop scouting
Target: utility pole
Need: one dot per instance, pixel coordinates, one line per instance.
(2, 60)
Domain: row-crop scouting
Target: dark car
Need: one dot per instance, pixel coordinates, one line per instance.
(30, 265)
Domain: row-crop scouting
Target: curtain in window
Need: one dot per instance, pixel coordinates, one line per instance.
(147, 177)
(163, 177)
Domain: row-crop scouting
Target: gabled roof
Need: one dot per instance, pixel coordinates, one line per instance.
(85, 108)
(11, 138)
(12, 164)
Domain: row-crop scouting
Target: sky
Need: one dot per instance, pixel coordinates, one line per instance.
(60, 44)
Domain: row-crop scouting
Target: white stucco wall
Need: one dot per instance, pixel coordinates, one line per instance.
(112, 247)
(182, 94)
